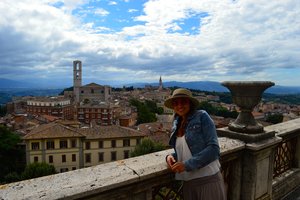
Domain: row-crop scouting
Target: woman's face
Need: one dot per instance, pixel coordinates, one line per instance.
(181, 106)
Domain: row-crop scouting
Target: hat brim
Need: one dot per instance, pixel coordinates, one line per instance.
(169, 102)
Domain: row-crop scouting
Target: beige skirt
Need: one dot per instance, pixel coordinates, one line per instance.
(205, 188)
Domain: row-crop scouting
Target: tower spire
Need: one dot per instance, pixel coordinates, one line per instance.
(160, 84)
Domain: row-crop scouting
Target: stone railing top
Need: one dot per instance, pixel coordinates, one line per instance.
(97, 179)
(87, 181)
(228, 145)
(284, 128)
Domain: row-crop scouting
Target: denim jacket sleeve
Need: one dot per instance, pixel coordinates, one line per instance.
(172, 140)
(202, 139)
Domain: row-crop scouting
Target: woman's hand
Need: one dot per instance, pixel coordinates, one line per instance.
(175, 166)
(170, 161)
(178, 167)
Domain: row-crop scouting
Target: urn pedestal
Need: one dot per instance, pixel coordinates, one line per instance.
(258, 160)
(246, 95)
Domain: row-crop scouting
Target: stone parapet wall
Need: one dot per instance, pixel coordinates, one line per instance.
(283, 184)
(135, 178)
(131, 178)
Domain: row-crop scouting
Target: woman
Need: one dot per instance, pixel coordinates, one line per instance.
(196, 157)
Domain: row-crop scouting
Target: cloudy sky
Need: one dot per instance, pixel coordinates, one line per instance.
(129, 41)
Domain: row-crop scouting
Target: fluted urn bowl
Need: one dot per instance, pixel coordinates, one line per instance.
(246, 95)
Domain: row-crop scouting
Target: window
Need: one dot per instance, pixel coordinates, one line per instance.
(138, 141)
(36, 159)
(101, 157)
(87, 157)
(63, 158)
(87, 145)
(113, 143)
(73, 168)
(50, 144)
(73, 157)
(126, 143)
(35, 145)
(113, 155)
(63, 144)
(73, 143)
(126, 154)
(100, 144)
(50, 159)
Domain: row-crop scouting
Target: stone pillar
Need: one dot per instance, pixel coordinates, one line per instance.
(258, 158)
(257, 169)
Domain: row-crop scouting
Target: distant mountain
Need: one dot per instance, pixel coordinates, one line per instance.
(197, 85)
(35, 83)
(210, 86)
(7, 83)
(213, 86)
(277, 89)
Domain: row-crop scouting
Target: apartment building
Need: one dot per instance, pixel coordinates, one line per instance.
(68, 148)
(99, 112)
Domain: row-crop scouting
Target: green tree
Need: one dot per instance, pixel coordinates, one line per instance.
(144, 115)
(218, 111)
(205, 105)
(145, 111)
(275, 118)
(3, 110)
(35, 170)
(221, 111)
(153, 107)
(66, 89)
(10, 153)
(147, 146)
(12, 177)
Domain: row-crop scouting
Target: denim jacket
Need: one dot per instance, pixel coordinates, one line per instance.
(201, 138)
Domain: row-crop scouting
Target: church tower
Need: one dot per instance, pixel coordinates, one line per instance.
(77, 79)
(160, 87)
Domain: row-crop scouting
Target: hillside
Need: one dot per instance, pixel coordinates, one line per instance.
(217, 87)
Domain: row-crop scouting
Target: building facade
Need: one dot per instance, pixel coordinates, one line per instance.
(54, 106)
(100, 113)
(89, 92)
(68, 148)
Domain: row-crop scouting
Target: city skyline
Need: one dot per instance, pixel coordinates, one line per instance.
(129, 41)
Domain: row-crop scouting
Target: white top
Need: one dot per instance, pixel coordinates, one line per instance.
(183, 154)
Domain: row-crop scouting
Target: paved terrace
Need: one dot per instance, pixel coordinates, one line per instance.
(142, 177)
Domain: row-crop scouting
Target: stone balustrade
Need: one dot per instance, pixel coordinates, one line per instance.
(139, 177)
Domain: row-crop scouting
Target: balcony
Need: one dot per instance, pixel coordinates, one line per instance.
(147, 177)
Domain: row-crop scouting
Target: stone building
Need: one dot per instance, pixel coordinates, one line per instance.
(89, 92)
(68, 148)
(55, 106)
(99, 112)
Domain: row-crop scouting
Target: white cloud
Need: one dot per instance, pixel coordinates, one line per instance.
(101, 12)
(236, 40)
(132, 10)
(112, 3)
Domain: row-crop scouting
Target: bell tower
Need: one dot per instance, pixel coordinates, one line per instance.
(160, 86)
(77, 79)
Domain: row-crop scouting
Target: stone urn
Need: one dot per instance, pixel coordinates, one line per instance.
(246, 95)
